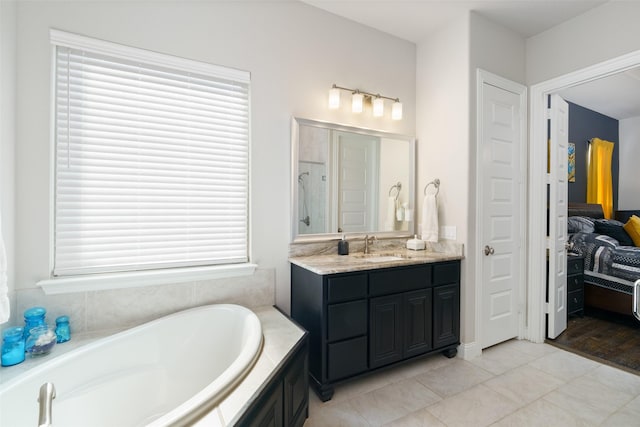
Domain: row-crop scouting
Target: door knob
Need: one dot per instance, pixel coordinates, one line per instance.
(488, 250)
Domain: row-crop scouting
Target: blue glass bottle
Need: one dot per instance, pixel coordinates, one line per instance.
(33, 317)
(62, 329)
(12, 346)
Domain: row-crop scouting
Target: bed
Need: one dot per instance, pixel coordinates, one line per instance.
(611, 262)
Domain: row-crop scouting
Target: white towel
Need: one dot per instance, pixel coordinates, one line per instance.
(4, 290)
(430, 218)
(390, 219)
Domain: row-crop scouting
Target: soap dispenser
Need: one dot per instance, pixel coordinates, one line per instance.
(343, 246)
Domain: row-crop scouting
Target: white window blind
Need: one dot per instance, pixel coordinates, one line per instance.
(151, 164)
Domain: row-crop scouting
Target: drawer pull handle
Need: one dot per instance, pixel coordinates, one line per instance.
(575, 300)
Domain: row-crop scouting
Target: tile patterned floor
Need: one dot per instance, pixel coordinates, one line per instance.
(516, 383)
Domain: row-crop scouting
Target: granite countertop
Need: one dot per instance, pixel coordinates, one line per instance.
(333, 263)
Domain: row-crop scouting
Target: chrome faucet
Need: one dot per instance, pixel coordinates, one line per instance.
(45, 400)
(368, 241)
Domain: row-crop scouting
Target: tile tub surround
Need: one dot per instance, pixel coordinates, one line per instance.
(355, 261)
(515, 383)
(96, 311)
(280, 337)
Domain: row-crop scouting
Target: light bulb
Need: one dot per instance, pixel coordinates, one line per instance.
(334, 98)
(396, 111)
(357, 100)
(378, 107)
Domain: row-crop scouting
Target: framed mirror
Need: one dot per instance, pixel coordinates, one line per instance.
(348, 180)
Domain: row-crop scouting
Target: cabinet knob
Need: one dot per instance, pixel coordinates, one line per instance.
(488, 250)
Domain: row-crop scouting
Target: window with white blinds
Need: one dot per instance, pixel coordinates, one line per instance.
(151, 161)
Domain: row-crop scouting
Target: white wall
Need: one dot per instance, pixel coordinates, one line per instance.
(629, 174)
(294, 53)
(602, 33)
(446, 96)
(7, 138)
(442, 97)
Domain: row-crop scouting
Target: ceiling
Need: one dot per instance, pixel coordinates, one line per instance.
(415, 20)
(616, 96)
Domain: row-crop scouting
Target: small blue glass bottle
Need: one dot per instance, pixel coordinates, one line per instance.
(12, 346)
(63, 331)
(33, 317)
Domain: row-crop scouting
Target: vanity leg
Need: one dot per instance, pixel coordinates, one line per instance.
(450, 352)
(325, 392)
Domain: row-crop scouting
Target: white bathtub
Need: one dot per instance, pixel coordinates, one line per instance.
(170, 371)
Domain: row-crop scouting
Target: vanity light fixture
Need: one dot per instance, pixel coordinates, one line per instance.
(378, 107)
(358, 98)
(357, 102)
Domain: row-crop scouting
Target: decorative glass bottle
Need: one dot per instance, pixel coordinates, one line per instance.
(33, 317)
(12, 346)
(63, 331)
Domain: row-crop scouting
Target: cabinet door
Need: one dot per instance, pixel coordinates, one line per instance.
(268, 413)
(296, 391)
(417, 322)
(446, 315)
(385, 345)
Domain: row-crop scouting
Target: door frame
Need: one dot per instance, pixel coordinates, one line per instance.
(485, 77)
(538, 179)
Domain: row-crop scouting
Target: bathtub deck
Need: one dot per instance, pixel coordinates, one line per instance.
(280, 337)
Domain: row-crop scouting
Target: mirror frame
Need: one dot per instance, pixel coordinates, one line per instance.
(296, 122)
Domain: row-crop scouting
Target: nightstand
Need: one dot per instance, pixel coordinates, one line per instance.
(575, 284)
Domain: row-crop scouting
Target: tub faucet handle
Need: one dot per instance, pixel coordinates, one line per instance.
(45, 401)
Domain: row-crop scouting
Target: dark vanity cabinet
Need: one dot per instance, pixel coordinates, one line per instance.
(364, 320)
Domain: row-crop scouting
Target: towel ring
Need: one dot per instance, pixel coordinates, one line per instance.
(435, 183)
(397, 187)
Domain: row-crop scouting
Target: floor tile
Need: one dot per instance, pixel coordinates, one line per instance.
(338, 414)
(393, 401)
(478, 406)
(564, 365)
(421, 418)
(541, 413)
(358, 386)
(454, 378)
(499, 360)
(628, 415)
(528, 347)
(617, 379)
(588, 399)
(524, 385)
(420, 366)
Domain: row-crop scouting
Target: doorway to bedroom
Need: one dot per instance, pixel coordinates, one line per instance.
(618, 68)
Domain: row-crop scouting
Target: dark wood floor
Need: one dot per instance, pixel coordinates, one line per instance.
(607, 337)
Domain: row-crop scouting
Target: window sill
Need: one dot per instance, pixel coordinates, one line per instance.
(101, 282)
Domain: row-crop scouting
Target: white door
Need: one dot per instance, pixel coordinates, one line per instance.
(357, 182)
(557, 280)
(501, 189)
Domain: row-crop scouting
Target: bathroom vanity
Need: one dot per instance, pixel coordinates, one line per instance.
(363, 314)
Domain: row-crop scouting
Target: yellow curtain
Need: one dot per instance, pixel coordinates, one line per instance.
(599, 181)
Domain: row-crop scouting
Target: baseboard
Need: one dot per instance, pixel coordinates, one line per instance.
(470, 350)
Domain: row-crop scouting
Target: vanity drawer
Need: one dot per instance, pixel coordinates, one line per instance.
(347, 358)
(575, 301)
(575, 282)
(345, 288)
(575, 265)
(346, 320)
(399, 280)
(446, 273)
